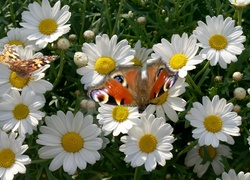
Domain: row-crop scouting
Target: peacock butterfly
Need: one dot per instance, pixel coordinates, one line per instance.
(128, 85)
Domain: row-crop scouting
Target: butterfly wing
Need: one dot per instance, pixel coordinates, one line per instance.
(160, 80)
(23, 68)
(119, 88)
(9, 54)
(127, 86)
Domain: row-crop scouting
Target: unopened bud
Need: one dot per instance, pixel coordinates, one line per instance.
(141, 20)
(240, 93)
(237, 76)
(72, 37)
(89, 35)
(218, 78)
(80, 59)
(63, 44)
(236, 108)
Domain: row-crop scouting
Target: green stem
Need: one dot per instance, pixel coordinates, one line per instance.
(83, 21)
(107, 14)
(187, 148)
(137, 173)
(240, 10)
(118, 17)
(231, 100)
(59, 74)
(202, 70)
(192, 83)
(12, 13)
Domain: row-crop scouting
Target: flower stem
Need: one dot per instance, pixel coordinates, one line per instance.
(83, 20)
(239, 13)
(12, 13)
(187, 148)
(117, 17)
(192, 83)
(202, 70)
(59, 74)
(137, 173)
(107, 14)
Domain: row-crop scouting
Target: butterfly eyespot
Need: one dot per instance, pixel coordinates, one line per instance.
(170, 81)
(161, 68)
(99, 96)
(120, 79)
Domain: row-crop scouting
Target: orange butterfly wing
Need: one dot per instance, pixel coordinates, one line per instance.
(116, 89)
(126, 86)
(23, 68)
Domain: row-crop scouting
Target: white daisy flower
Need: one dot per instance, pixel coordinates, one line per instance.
(21, 112)
(214, 121)
(103, 58)
(149, 143)
(180, 54)
(72, 141)
(141, 57)
(141, 54)
(169, 102)
(231, 175)
(12, 160)
(14, 37)
(118, 119)
(44, 23)
(220, 39)
(196, 157)
(240, 3)
(10, 79)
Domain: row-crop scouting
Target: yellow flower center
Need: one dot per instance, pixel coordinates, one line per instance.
(177, 61)
(161, 99)
(16, 42)
(218, 42)
(7, 158)
(104, 65)
(210, 149)
(47, 26)
(213, 123)
(136, 62)
(72, 142)
(147, 143)
(120, 113)
(21, 111)
(18, 81)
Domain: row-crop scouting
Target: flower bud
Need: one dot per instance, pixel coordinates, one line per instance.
(166, 19)
(83, 104)
(72, 37)
(78, 92)
(130, 14)
(63, 44)
(89, 35)
(141, 20)
(236, 108)
(240, 93)
(218, 78)
(237, 76)
(80, 59)
(91, 104)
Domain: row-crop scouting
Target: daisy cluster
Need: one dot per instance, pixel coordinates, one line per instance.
(193, 116)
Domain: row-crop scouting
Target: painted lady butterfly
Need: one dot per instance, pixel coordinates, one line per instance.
(23, 68)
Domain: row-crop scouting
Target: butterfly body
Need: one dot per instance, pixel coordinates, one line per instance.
(23, 68)
(127, 85)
